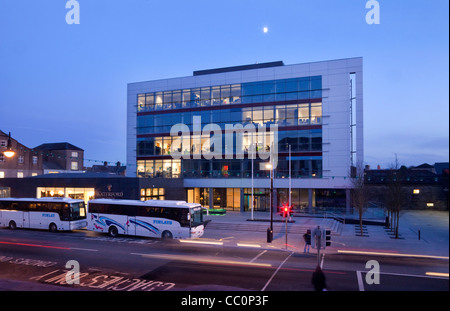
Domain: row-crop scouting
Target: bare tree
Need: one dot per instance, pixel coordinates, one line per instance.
(359, 192)
(395, 194)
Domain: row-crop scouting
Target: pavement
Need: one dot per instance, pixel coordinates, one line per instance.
(236, 229)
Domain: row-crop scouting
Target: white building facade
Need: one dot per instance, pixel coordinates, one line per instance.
(316, 110)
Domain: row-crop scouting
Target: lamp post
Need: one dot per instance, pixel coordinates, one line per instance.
(269, 166)
(9, 152)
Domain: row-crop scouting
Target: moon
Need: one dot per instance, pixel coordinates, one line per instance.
(265, 30)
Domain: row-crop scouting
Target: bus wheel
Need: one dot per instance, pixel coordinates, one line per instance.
(52, 227)
(167, 235)
(12, 225)
(113, 232)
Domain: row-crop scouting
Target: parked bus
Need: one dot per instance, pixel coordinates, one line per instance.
(45, 213)
(152, 218)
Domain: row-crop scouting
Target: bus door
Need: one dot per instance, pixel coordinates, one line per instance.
(26, 220)
(21, 218)
(131, 225)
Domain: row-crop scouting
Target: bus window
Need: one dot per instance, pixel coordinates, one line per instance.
(78, 211)
(65, 213)
(196, 217)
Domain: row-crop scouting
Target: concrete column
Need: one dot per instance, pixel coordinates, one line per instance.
(310, 200)
(211, 197)
(242, 205)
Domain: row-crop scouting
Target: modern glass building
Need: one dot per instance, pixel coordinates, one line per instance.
(233, 121)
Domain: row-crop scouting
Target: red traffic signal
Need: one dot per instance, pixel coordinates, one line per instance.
(286, 210)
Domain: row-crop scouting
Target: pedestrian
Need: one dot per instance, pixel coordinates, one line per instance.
(307, 238)
(318, 280)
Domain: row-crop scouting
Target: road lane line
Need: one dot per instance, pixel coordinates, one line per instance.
(389, 254)
(84, 249)
(206, 260)
(34, 245)
(259, 255)
(321, 262)
(360, 281)
(201, 242)
(276, 271)
(248, 245)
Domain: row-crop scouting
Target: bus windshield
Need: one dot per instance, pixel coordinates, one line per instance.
(196, 216)
(78, 211)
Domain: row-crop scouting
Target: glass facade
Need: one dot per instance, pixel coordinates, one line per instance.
(294, 105)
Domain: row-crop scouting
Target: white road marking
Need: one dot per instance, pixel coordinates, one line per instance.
(276, 271)
(360, 281)
(257, 256)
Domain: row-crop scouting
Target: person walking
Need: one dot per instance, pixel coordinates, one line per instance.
(318, 280)
(307, 238)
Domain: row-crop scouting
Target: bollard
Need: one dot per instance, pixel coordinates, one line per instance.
(269, 235)
(419, 234)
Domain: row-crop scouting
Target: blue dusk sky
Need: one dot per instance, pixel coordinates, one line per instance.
(61, 82)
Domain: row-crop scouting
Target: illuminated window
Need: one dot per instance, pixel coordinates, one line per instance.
(430, 204)
(74, 166)
(416, 191)
(152, 194)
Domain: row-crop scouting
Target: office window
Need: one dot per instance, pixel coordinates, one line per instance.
(176, 100)
(205, 96)
(19, 174)
(167, 99)
(316, 113)
(141, 102)
(186, 97)
(303, 114)
(35, 160)
(158, 101)
(149, 102)
(2, 174)
(20, 159)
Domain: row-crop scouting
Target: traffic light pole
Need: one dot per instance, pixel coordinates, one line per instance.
(286, 231)
(318, 249)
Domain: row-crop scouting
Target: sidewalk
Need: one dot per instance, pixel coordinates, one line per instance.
(234, 228)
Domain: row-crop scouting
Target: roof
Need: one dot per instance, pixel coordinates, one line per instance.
(78, 176)
(45, 199)
(424, 165)
(238, 68)
(158, 203)
(57, 146)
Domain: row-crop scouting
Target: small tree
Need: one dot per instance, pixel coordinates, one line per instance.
(395, 194)
(359, 192)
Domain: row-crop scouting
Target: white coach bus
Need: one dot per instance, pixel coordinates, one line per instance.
(45, 213)
(153, 218)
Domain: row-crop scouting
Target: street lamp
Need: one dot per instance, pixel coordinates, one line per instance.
(269, 166)
(9, 153)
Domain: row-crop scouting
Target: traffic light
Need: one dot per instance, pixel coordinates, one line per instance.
(327, 235)
(286, 210)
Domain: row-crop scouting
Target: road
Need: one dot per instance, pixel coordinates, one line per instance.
(33, 258)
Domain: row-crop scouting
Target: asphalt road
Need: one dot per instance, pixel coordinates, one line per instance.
(36, 260)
